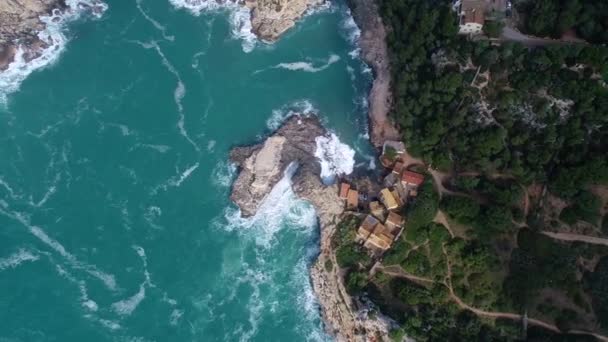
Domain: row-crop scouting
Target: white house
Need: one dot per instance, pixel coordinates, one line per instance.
(472, 16)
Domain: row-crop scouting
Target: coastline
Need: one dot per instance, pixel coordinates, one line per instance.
(261, 167)
(344, 317)
(374, 52)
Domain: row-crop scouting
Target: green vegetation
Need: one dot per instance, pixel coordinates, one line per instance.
(527, 133)
(423, 209)
(348, 253)
(598, 285)
(556, 17)
(493, 28)
(585, 207)
(500, 117)
(539, 262)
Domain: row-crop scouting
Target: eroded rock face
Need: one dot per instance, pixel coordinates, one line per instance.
(261, 167)
(271, 18)
(20, 24)
(374, 52)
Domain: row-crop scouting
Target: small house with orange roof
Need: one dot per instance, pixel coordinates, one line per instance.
(344, 187)
(352, 199)
(411, 179)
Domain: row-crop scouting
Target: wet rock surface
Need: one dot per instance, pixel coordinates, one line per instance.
(261, 167)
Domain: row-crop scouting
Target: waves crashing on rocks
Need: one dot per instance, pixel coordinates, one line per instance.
(240, 18)
(335, 157)
(54, 40)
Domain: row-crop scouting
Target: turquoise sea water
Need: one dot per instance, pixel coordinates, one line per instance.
(116, 223)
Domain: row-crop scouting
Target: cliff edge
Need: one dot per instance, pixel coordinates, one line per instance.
(374, 52)
(261, 166)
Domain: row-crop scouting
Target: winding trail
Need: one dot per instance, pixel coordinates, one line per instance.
(397, 271)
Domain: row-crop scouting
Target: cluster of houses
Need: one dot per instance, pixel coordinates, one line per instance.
(384, 222)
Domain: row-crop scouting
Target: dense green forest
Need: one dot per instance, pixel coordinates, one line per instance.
(497, 117)
(539, 115)
(588, 18)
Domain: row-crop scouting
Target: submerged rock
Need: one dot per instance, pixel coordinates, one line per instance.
(261, 167)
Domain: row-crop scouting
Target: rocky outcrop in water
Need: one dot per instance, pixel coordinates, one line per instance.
(375, 53)
(261, 167)
(20, 23)
(271, 18)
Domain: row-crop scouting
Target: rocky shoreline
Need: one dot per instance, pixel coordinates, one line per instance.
(22, 23)
(260, 168)
(374, 52)
(272, 18)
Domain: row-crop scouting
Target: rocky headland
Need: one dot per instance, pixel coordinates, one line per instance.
(261, 167)
(22, 21)
(20, 24)
(271, 18)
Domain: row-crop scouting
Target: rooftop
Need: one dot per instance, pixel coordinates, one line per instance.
(344, 187)
(473, 11)
(412, 178)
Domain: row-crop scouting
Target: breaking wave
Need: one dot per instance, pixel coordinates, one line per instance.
(352, 32)
(240, 18)
(55, 40)
(301, 107)
(280, 208)
(335, 157)
(223, 174)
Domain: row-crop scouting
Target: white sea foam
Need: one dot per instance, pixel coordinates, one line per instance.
(49, 192)
(175, 317)
(178, 93)
(301, 107)
(108, 279)
(126, 306)
(85, 301)
(223, 174)
(306, 299)
(335, 157)
(151, 216)
(211, 145)
(280, 208)
(352, 32)
(176, 180)
(154, 23)
(240, 27)
(158, 148)
(240, 17)
(308, 65)
(17, 258)
(183, 176)
(55, 39)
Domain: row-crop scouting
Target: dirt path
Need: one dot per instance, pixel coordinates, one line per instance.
(441, 219)
(438, 179)
(397, 271)
(508, 33)
(576, 237)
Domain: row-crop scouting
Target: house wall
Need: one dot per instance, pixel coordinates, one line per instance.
(470, 28)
